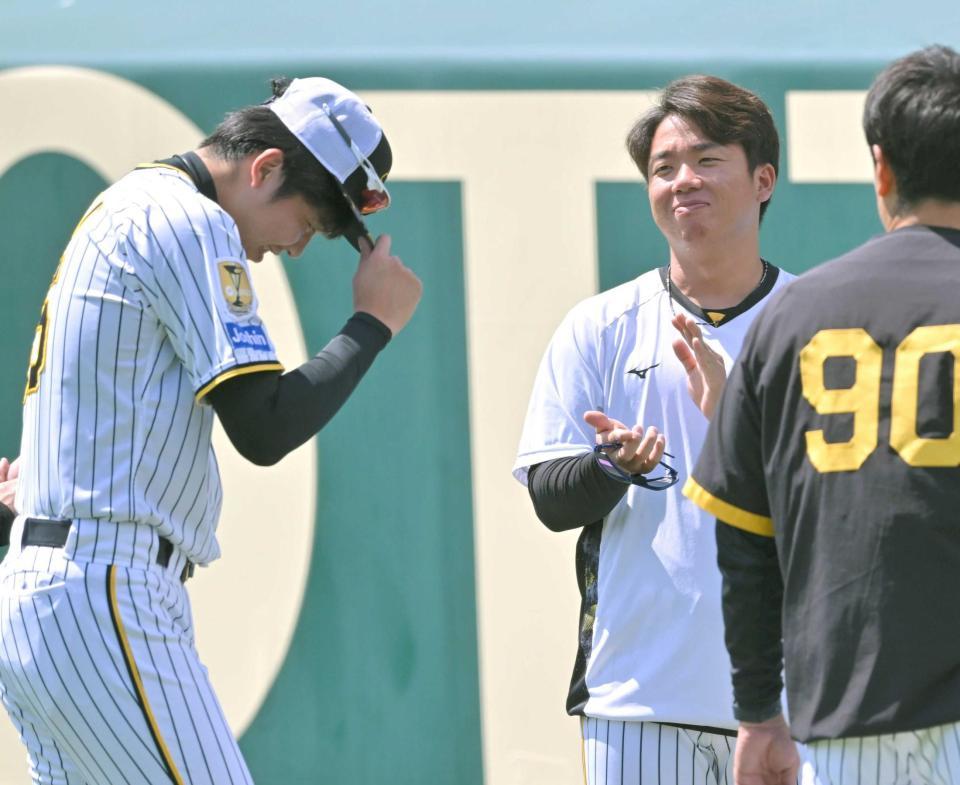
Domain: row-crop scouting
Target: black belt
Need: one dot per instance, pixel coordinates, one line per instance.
(53, 534)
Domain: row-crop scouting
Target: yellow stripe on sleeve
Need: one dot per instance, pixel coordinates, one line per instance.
(728, 513)
(234, 372)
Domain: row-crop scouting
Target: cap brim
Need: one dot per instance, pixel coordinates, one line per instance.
(354, 232)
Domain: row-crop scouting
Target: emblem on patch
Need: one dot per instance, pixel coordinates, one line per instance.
(236, 287)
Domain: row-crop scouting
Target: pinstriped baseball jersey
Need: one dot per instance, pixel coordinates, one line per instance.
(150, 308)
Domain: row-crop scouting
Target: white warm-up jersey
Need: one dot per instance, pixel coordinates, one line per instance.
(150, 308)
(651, 634)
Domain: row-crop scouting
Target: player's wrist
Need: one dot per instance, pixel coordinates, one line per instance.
(361, 319)
(614, 470)
(610, 467)
(758, 713)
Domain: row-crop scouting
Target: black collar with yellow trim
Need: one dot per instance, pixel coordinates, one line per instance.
(719, 316)
(193, 167)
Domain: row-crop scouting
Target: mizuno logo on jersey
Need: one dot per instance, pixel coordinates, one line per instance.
(642, 372)
(249, 336)
(236, 287)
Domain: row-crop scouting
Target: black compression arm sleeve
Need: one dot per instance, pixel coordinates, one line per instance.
(571, 492)
(266, 415)
(752, 607)
(6, 521)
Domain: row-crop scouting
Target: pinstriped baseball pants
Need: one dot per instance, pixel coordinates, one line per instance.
(99, 673)
(649, 753)
(925, 757)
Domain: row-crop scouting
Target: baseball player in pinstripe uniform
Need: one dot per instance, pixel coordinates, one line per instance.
(151, 327)
(832, 466)
(618, 389)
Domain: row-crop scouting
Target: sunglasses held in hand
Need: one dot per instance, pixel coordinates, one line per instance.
(651, 483)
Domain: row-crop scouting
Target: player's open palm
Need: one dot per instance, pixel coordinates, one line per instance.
(765, 755)
(706, 373)
(384, 287)
(640, 449)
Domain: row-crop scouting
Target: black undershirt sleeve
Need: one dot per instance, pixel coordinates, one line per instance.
(752, 607)
(6, 521)
(571, 492)
(266, 415)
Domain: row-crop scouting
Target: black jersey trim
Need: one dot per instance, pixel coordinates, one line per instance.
(7, 517)
(192, 166)
(726, 512)
(718, 317)
(236, 370)
(134, 674)
(161, 165)
(588, 566)
(196, 169)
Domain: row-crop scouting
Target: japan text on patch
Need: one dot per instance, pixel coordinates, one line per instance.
(235, 286)
(248, 336)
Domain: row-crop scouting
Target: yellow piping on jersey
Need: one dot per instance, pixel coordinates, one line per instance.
(135, 673)
(726, 512)
(97, 204)
(163, 166)
(258, 368)
(583, 749)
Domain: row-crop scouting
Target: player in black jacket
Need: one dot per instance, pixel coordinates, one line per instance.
(832, 464)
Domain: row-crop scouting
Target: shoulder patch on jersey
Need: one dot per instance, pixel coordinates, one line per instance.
(248, 336)
(236, 287)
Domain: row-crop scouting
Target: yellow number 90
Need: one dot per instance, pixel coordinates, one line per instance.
(862, 400)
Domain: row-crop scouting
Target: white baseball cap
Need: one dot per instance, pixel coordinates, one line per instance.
(343, 135)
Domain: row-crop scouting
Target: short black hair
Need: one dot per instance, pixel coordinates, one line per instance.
(912, 113)
(253, 129)
(725, 112)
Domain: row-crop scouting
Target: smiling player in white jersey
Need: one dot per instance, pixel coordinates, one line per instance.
(149, 329)
(651, 680)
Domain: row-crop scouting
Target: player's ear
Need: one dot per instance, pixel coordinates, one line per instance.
(765, 179)
(265, 166)
(883, 180)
